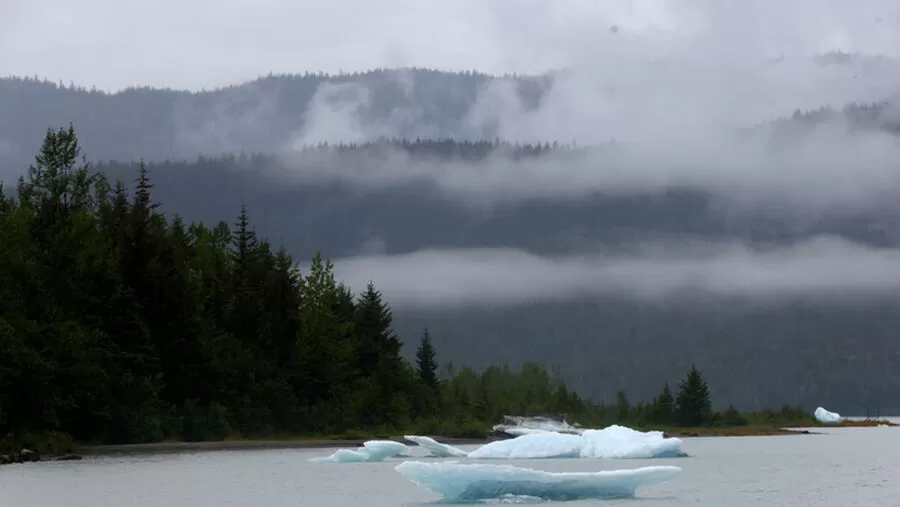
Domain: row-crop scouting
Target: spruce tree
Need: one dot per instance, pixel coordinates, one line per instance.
(693, 400)
(664, 407)
(623, 407)
(426, 362)
(376, 339)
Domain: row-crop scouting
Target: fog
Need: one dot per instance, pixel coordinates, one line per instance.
(823, 270)
(206, 43)
(685, 89)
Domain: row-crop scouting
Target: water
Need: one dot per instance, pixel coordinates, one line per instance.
(843, 467)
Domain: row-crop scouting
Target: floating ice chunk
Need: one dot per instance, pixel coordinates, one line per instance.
(471, 482)
(826, 417)
(625, 443)
(372, 450)
(515, 431)
(532, 446)
(517, 425)
(342, 456)
(609, 443)
(378, 450)
(436, 448)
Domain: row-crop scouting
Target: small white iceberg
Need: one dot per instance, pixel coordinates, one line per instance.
(372, 450)
(435, 448)
(474, 482)
(613, 442)
(826, 417)
(516, 426)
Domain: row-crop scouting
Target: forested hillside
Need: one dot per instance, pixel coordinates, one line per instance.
(755, 355)
(119, 323)
(352, 199)
(301, 202)
(264, 115)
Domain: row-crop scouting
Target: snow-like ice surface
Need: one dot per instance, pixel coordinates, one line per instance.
(435, 448)
(533, 446)
(473, 482)
(372, 450)
(613, 442)
(517, 426)
(826, 417)
(516, 431)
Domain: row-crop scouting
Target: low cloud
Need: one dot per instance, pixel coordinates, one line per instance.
(830, 170)
(682, 118)
(825, 269)
(84, 42)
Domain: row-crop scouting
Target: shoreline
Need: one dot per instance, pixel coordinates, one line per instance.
(313, 443)
(739, 432)
(335, 443)
(251, 445)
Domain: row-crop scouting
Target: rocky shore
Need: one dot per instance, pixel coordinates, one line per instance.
(28, 456)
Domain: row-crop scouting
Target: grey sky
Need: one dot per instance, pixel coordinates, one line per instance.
(208, 43)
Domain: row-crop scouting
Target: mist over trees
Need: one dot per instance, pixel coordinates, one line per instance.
(264, 115)
(119, 324)
(756, 355)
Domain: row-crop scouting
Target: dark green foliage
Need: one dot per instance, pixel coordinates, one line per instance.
(663, 410)
(426, 362)
(731, 417)
(693, 400)
(119, 324)
(623, 407)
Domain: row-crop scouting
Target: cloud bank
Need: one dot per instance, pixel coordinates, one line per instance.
(824, 270)
(685, 90)
(209, 43)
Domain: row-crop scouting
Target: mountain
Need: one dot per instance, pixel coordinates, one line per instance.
(261, 116)
(756, 355)
(350, 199)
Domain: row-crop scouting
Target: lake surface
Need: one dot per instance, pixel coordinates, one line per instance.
(842, 467)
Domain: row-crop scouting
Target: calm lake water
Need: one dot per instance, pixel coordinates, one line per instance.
(842, 467)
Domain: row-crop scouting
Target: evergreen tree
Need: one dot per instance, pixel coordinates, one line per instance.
(118, 324)
(664, 407)
(623, 407)
(426, 362)
(693, 400)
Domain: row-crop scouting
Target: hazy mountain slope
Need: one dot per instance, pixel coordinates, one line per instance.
(822, 173)
(260, 116)
(757, 352)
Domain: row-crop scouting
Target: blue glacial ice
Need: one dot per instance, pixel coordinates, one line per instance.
(372, 450)
(826, 417)
(474, 482)
(613, 442)
(435, 448)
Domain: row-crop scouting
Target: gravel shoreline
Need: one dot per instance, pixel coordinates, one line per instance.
(233, 445)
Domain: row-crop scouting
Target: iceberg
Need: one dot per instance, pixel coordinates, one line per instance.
(515, 426)
(619, 442)
(466, 483)
(435, 448)
(826, 417)
(532, 446)
(613, 442)
(372, 450)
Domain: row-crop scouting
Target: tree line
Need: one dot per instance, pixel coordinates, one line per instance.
(120, 324)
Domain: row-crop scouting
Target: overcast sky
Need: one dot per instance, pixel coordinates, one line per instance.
(208, 43)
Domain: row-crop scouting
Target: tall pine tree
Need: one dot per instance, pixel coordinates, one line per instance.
(693, 400)
(426, 362)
